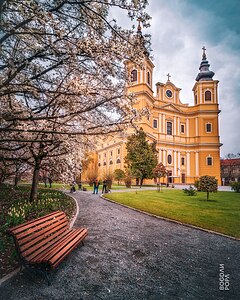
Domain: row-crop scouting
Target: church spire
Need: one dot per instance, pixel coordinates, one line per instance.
(205, 73)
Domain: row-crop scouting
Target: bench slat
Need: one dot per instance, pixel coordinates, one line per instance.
(22, 227)
(31, 252)
(51, 250)
(42, 233)
(58, 254)
(55, 262)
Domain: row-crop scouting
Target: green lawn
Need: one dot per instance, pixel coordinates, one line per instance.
(220, 214)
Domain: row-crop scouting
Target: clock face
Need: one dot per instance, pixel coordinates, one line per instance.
(169, 93)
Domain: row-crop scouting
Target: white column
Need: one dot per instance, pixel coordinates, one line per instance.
(160, 155)
(196, 126)
(215, 94)
(175, 163)
(163, 125)
(201, 100)
(174, 126)
(197, 163)
(160, 123)
(188, 163)
(179, 163)
(187, 127)
(164, 157)
(178, 126)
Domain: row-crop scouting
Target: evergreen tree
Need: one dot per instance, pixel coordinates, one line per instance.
(141, 156)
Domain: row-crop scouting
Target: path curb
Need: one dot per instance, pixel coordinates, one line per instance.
(8, 276)
(171, 220)
(76, 213)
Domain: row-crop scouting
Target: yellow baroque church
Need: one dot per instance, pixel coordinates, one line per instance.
(187, 136)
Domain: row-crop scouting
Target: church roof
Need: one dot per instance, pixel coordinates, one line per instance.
(205, 74)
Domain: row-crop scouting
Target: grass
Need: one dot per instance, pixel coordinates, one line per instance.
(220, 214)
(15, 209)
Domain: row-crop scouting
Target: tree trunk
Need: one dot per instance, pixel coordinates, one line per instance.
(207, 196)
(16, 180)
(141, 182)
(35, 180)
(45, 181)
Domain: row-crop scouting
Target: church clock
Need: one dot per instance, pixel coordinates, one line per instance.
(169, 93)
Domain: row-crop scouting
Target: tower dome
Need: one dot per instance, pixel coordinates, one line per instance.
(205, 74)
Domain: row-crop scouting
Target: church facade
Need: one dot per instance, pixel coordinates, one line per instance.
(187, 136)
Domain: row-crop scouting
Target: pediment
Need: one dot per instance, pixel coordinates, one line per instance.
(170, 106)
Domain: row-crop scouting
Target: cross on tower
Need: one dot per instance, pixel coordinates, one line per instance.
(204, 53)
(168, 76)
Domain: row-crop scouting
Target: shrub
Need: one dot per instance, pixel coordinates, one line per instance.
(190, 191)
(235, 186)
(197, 185)
(128, 181)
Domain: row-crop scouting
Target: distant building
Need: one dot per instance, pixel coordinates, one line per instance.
(230, 170)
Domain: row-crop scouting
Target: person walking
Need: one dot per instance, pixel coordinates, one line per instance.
(104, 188)
(95, 186)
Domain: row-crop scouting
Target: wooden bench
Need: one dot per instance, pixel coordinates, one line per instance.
(46, 241)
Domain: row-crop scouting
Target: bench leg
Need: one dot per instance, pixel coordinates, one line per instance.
(44, 271)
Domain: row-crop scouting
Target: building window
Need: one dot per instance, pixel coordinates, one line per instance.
(169, 159)
(118, 151)
(155, 123)
(209, 161)
(169, 128)
(148, 78)
(111, 162)
(105, 154)
(110, 153)
(208, 127)
(104, 163)
(134, 75)
(118, 161)
(183, 161)
(208, 96)
(99, 156)
(182, 128)
(99, 164)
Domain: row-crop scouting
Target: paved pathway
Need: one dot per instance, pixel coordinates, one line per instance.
(130, 255)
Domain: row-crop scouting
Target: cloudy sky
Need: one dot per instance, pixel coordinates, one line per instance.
(179, 29)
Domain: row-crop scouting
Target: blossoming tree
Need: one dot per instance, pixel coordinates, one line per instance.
(62, 80)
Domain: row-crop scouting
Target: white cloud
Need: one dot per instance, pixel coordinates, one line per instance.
(179, 29)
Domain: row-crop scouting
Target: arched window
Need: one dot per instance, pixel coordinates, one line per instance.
(111, 162)
(148, 78)
(208, 96)
(104, 163)
(169, 128)
(99, 164)
(134, 75)
(169, 159)
(118, 161)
